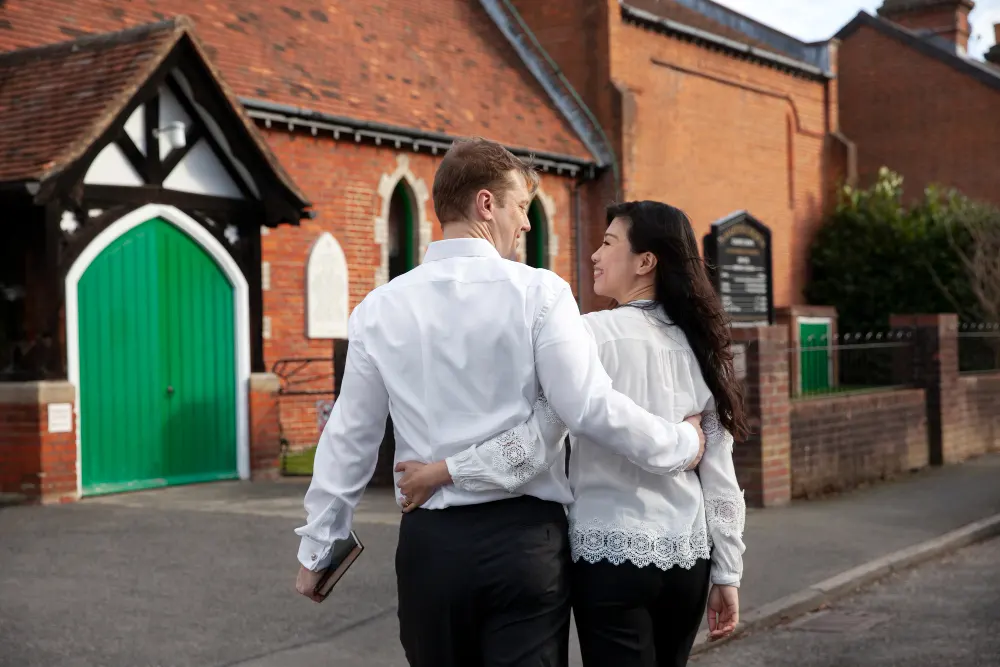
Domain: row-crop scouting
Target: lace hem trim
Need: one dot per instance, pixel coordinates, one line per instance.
(639, 544)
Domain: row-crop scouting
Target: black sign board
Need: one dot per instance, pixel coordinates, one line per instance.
(738, 252)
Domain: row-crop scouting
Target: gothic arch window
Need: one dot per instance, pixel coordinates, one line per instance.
(403, 230)
(536, 241)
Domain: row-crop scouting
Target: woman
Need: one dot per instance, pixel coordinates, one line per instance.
(645, 546)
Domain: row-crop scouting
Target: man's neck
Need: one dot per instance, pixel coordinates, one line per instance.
(467, 230)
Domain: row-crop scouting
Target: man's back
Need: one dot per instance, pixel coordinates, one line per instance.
(453, 342)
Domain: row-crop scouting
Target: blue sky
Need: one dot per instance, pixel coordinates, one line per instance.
(811, 20)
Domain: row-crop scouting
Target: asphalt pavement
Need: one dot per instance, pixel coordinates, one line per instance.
(203, 575)
(945, 613)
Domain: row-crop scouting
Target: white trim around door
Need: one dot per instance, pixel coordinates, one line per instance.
(241, 300)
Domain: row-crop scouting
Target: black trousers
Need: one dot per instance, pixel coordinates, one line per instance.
(628, 616)
(485, 585)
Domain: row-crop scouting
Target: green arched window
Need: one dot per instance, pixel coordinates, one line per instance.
(403, 246)
(537, 242)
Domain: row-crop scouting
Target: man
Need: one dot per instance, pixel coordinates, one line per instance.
(458, 350)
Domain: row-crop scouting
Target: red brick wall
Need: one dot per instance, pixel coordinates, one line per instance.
(840, 442)
(918, 116)
(342, 180)
(265, 422)
(713, 134)
(980, 415)
(33, 462)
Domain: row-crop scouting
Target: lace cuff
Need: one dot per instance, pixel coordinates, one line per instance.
(726, 514)
(715, 434)
(512, 458)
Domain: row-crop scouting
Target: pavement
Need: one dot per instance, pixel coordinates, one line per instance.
(943, 613)
(203, 574)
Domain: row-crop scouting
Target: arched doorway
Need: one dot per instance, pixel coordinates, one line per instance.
(158, 348)
(536, 241)
(403, 242)
(403, 248)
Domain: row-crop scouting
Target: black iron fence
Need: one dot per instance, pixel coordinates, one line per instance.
(853, 362)
(978, 347)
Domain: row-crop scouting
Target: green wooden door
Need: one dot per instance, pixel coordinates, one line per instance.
(157, 364)
(814, 356)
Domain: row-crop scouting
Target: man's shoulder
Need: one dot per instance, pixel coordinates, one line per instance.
(543, 279)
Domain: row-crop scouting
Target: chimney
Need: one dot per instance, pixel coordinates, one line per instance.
(947, 19)
(993, 55)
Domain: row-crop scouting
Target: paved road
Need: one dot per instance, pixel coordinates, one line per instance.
(945, 613)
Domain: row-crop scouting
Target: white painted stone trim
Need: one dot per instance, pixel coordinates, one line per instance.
(386, 185)
(549, 209)
(327, 289)
(241, 300)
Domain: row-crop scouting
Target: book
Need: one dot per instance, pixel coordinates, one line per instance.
(345, 552)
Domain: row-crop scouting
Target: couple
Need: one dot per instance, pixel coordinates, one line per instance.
(484, 363)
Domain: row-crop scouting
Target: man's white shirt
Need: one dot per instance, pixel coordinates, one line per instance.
(460, 349)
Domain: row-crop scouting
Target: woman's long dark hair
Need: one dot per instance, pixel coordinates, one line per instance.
(683, 289)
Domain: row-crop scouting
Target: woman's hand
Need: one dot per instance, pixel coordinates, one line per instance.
(420, 481)
(723, 611)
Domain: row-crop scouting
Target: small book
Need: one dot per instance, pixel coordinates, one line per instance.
(345, 552)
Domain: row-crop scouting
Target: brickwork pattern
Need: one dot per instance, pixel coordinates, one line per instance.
(980, 415)
(39, 465)
(920, 117)
(840, 442)
(763, 460)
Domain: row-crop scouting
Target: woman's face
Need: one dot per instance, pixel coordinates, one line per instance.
(616, 267)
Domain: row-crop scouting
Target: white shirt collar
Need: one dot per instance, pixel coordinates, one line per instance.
(460, 248)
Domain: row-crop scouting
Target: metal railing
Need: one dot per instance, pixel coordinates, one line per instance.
(853, 362)
(978, 347)
(312, 380)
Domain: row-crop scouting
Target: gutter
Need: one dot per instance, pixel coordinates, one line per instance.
(661, 24)
(340, 127)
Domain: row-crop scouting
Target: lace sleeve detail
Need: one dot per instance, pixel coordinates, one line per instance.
(515, 456)
(715, 434)
(726, 514)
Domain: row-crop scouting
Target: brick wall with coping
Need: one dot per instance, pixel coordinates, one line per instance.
(980, 414)
(35, 464)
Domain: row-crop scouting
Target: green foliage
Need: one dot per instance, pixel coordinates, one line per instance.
(875, 257)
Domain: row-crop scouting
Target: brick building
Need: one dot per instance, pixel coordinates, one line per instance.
(297, 145)
(914, 101)
(709, 110)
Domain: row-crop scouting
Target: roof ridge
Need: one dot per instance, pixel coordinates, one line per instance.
(176, 24)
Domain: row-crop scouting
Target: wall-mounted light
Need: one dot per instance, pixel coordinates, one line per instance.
(174, 132)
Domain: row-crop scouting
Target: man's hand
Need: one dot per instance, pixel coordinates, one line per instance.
(723, 611)
(696, 422)
(420, 481)
(306, 582)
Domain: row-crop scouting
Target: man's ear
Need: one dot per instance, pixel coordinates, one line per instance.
(647, 263)
(485, 204)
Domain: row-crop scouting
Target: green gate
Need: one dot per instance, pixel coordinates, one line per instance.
(814, 355)
(157, 364)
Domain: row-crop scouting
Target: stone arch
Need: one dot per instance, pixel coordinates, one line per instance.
(327, 289)
(548, 209)
(420, 195)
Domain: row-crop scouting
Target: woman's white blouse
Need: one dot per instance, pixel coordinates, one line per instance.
(622, 512)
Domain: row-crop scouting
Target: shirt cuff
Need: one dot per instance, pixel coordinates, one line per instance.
(314, 555)
(463, 469)
(720, 578)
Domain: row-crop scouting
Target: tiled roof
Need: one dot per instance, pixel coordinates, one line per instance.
(55, 100)
(433, 65)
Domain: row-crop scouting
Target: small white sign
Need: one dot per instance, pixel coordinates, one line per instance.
(740, 361)
(60, 417)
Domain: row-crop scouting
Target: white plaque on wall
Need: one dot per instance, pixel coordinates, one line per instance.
(60, 418)
(740, 361)
(326, 290)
